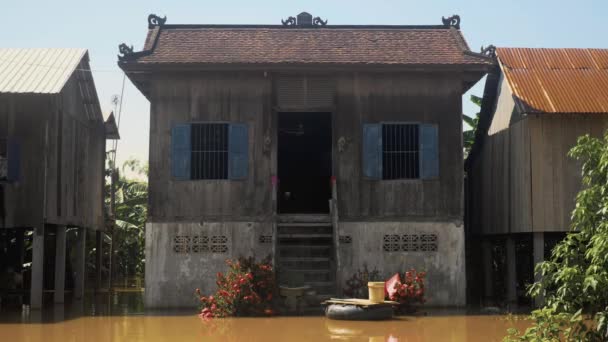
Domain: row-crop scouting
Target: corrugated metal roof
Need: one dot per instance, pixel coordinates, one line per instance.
(41, 71)
(557, 80)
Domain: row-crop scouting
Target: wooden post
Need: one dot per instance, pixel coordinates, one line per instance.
(98, 258)
(60, 246)
(80, 267)
(37, 280)
(274, 181)
(487, 261)
(539, 256)
(511, 279)
(110, 253)
(333, 209)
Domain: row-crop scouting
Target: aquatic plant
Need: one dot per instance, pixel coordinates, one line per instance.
(247, 289)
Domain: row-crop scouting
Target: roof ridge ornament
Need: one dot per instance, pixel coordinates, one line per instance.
(125, 50)
(291, 21)
(489, 51)
(154, 21)
(317, 21)
(304, 19)
(453, 21)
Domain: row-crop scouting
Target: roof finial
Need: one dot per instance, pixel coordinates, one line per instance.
(489, 51)
(124, 50)
(154, 20)
(304, 19)
(453, 21)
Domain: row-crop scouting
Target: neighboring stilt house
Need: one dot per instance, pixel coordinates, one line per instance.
(521, 183)
(329, 148)
(52, 151)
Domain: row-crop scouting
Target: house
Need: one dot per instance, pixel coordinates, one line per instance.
(521, 183)
(52, 154)
(327, 147)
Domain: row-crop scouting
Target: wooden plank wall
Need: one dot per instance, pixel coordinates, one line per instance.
(555, 176)
(360, 98)
(523, 181)
(74, 144)
(25, 120)
(406, 97)
(224, 97)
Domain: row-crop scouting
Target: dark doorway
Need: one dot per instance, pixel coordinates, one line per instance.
(304, 162)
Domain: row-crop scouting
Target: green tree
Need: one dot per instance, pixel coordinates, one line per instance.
(575, 278)
(469, 134)
(131, 213)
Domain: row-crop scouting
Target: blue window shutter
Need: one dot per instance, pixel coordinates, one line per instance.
(14, 160)
(238, 148)
(181, 151)
(429, 150)
(372, 151)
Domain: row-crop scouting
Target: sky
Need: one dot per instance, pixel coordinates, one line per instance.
(100, 26)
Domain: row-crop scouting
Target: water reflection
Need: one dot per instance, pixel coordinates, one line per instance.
(121, 318)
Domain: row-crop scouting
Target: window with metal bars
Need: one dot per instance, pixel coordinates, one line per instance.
(400, 151)
(209, 154)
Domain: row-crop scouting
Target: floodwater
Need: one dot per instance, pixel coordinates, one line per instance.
(57, 324)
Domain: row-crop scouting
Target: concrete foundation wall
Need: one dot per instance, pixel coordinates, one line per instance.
(445, 267)
(172, 276)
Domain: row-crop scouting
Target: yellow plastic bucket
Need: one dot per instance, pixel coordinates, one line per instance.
(376, 291)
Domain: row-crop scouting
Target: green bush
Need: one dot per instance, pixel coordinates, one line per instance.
(575, 279)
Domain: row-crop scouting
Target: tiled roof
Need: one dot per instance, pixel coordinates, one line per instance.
(332, 45)
(557, 80)
(39, 71)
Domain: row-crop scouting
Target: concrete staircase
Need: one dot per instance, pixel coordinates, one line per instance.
(305, 254)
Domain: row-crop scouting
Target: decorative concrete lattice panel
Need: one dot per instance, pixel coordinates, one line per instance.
(185, 244)
(391, 243)
(410, 243)
(181, 244)
(264, 239)
(200, 244)
(428, 243)
(345, 239)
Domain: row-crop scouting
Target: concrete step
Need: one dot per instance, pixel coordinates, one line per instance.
(297, 251)
(304, 236)
(306, 218)
(303, 224)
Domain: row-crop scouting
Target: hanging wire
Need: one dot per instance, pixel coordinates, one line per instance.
(122, 92)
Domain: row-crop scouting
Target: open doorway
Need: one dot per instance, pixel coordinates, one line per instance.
(304, 162)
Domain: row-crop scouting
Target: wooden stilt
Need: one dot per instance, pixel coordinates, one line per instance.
(80, 267)
(539, 256)
(60, 253)
(511, 279)
(98, 258)
(37, 279)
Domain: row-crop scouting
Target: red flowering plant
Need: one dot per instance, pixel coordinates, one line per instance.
(409, 289)
(245, 290)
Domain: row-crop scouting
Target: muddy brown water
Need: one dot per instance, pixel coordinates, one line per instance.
(96, 323)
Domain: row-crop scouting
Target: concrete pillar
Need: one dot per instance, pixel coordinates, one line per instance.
(511, 276)
(37, 280)
(539, 256)
(60, 246)
(488, 270)
(98, 258)
(80, 267)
